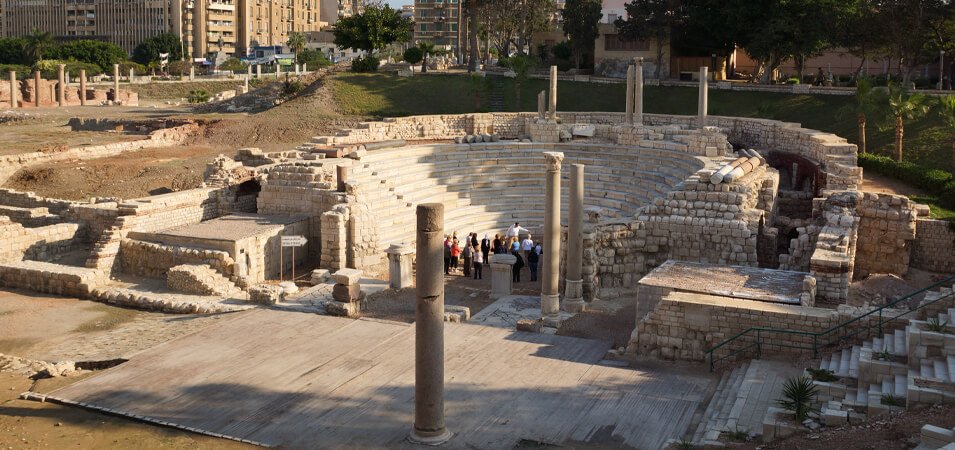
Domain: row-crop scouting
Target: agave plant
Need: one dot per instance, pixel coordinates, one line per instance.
(798, 395)
(892, 400)
(937, 325)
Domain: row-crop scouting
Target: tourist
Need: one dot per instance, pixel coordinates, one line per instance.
(486, 248)
(514, 230)
(447, 255)
(474, 240)
(526, 246)
(498, 245)
(455, 253)
(516, 268)
(468, 255)
(820, 77)
(533, 259)
(514, 246)
(478, 263)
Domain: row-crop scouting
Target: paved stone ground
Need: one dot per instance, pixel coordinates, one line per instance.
(505, 312)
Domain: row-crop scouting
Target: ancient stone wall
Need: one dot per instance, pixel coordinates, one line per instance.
(50, 278)
(151, 260)
(833, 258)
(887, 230)
(934, 246)
(41, 243)
(18, 199)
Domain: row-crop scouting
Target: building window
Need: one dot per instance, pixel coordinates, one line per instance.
(613, 43)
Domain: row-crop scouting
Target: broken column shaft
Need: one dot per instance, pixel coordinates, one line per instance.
(573, 284)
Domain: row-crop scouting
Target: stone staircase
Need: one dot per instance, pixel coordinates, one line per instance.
(201, 279)
(105, 249)
(716, 418)
(496, 96)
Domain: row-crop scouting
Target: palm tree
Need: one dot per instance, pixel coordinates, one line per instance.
(522, 65)
(38, 42)
(946, 109)
(866, 103)
(900, 107)
(427, 49)
(296, 42)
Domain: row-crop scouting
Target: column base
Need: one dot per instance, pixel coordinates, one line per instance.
(574, 305)
(550, 305)
(430, 438)
(573, 296)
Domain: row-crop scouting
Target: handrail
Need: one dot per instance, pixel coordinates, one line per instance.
(817, 336)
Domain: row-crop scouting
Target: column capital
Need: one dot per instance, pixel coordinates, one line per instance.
(554, 160)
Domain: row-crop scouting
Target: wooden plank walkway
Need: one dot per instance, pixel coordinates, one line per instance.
(308, 381)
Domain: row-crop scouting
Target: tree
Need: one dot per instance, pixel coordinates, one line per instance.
(427, 49)
(901, 106)
(473, 10)
(233, 64)
(581, 19)
(313, 58)
(867, 101)
(13, 51)
(522, 65)
(652, 19)
(946, 109)
(479, 85)
(296, 42)
(37, 44)
(530, 16)
(102, 54)
(915, 30)
(372, 30)
(149, 50)
(413, 55)
(859, 32)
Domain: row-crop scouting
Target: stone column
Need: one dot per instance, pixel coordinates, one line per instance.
(638, 92)
(82, 87)
(304, 67)
(702, 104)
(192, 73)
(573, 284)
(541, 105)
(400, 271)
(36, 88)
(61, 85)
(278, 69)
(502, 276)
(550, 297)
(429, 425)
(248, 72)
(341, 173)
(132, 73)
(629, 98)
(14, 87)
(116, 84)
(258, 71)
(553, 92)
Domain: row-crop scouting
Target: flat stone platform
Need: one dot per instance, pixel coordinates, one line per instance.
(750, 283)
(233, 227)
(298, 380)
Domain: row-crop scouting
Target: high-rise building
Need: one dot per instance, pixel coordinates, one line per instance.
(439, 22)
(211, 29)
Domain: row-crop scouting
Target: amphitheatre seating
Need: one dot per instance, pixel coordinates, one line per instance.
(486, 187)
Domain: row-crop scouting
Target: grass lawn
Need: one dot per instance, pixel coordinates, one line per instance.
(381, 95)
(177, 90)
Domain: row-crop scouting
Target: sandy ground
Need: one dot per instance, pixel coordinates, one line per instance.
(55, 134)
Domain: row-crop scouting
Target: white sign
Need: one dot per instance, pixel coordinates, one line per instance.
(293, 241)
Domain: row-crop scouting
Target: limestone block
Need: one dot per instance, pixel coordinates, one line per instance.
(320, 276)
(351, 309)
(347, 277)
(583, 129)
(266, 294)
(346, 293)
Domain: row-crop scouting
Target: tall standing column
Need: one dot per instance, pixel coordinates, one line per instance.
(573, 284)
(61, 85)
(429, 425)
(638, 92)
(550, 296)
(248, 72)
(629, 99)
(82, 87)
(258, 71)
(116, 84)
(36, 88)
(13, 89)
(192, 73)
(553, 92)
(702, 104)
(132, 74)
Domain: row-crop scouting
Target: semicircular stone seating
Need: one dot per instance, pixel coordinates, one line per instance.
(487, 187)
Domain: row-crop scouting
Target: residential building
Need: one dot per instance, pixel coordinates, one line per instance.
(439, 22)
(210, 29)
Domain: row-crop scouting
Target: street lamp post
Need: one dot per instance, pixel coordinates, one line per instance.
(941, 68)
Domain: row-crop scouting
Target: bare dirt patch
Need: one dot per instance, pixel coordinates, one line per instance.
(50, 135)
(130, 175)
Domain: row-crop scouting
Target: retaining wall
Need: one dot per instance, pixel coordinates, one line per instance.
(934, 247)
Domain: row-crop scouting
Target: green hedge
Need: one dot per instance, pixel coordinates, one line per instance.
(935, 181)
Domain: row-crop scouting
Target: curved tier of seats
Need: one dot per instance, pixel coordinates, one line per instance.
(486, 187)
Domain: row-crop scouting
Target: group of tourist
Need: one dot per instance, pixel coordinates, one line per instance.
(471, 255)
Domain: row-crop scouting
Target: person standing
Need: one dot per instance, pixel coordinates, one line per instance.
(514, 246)
(498, 244)
(447, 255)
(474, 240)
(486, 248)
(533, 259)
(516, 268)
(514, 231)
(455, 254)
(526, 246)
(468, 255)
(478, 263)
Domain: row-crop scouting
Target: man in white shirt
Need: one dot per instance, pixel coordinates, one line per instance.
(526, 246)
(514, 230)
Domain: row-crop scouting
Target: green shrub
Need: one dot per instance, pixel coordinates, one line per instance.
(413, 55)
(932, 180)
(563, 51)
(798, 395)
(314, 59)
(365, 64)
(892, 400)
(198, 96)
(792, 80)
(233, 65)
(937, 325)
(291, 87)
(23, 72)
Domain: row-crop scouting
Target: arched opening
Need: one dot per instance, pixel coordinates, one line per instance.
(246, 196)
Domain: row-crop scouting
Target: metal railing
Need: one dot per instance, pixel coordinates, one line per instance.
(755, 338)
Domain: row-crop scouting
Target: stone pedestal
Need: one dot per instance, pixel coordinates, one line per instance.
(429, 427)
(550, 296)
(82, 87)
(501, 275)
(703, 103)
(573, 284)
(400, 262)
(346, 294)
(547, 131)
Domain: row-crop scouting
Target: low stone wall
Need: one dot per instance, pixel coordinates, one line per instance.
(887, 228)
(934, 247)
(41, 243)
(50, 278)
(18, 199)
(150, 260)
